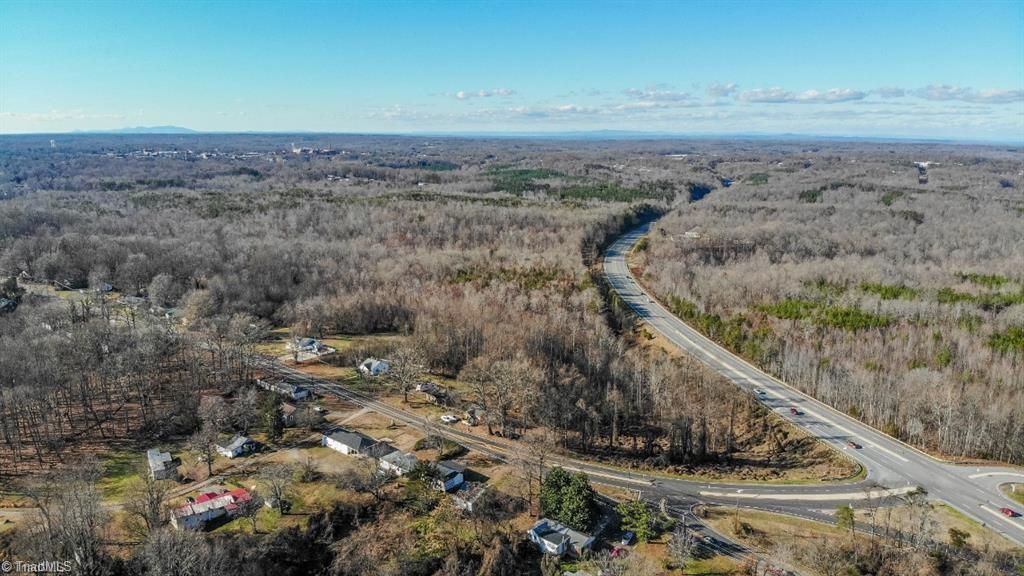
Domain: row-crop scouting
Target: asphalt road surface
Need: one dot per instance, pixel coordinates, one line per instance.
(889, 462)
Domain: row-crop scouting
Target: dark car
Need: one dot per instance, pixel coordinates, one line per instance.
(627, 538)
(794, 411)
(853, 445)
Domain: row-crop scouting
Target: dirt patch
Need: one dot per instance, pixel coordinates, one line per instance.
(398, 434)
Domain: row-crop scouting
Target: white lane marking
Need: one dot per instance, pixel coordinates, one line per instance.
(780, 383)
(816, 496)
(987, 474)
(731, 370)
(1013, 521)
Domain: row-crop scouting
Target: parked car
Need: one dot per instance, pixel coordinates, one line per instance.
(853, 445)
(1008, 512)
(628, 538)
(449, 419)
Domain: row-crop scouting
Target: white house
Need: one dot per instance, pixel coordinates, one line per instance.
(161, 465)
(450, 475)
(399, 463)
(235, 447)
(348, 442)
(556, 538)
(374, 367)
(284, 388)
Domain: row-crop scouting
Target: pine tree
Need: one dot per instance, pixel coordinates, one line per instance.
(637, 518)
(551, 492)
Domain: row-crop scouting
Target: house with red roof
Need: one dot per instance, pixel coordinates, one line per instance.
(208, 506)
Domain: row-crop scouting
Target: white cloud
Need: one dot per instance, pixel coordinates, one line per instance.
(778, 95)
(719, 90)
(774, 94)
(996, 96)
(889, 92)
(945, 92)
(658, 94)
(833, 95)
(466, 95)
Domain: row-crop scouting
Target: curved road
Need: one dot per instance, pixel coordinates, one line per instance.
(889, 462)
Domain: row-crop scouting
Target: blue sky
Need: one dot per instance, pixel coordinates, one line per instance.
(917, 69)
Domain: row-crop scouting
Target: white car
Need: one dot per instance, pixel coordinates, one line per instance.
(449, 419)
(759, 392)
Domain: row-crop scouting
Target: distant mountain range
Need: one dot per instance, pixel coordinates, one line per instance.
(142, 130)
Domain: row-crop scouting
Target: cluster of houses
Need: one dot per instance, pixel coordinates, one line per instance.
(389, 459)
(209, 506)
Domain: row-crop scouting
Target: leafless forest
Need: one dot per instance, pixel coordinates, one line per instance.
(480, 250)
(139, 272)
(890, 290)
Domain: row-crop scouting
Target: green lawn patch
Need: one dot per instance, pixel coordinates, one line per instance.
(119, 469)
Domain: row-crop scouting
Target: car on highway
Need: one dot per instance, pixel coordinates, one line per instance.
(759, 391)
(794, 411)
(449, 419)
(1008, 512)
(853, 445)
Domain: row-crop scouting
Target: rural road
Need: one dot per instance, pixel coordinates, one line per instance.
(972, 490)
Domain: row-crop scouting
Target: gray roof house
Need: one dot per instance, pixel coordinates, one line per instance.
(450, 475)
(556, 538)
(348, 442)
(466, 496)
(399, 463)
(161, 465)
(235, 446)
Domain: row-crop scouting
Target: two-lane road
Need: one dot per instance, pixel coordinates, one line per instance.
(889, 462)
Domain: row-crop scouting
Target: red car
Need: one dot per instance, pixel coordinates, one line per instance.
(794, 411)
(1008, 512)
(853, 445)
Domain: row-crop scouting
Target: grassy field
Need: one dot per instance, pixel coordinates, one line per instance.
(1016, 496)
(714, 566)
(120, 467)
(765, 530)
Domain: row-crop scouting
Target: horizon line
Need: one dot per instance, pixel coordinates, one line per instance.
(594, 134)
